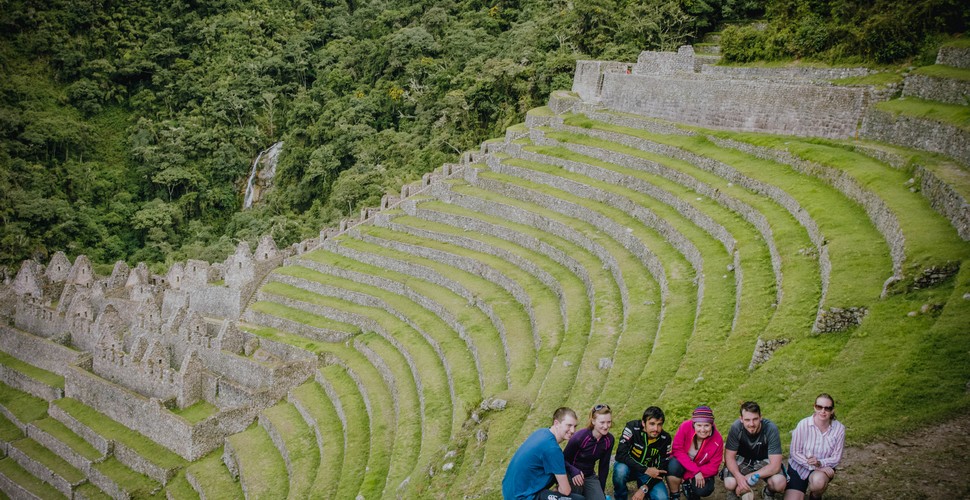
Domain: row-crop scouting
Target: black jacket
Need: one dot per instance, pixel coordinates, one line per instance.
(634, 450)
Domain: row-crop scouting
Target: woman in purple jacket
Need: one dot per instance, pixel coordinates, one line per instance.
(588, 446)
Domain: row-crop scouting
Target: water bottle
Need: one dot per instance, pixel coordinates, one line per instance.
(753, 480)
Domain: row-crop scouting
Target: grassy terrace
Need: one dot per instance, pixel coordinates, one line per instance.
(178, 488)
(483, 334)
(521, 358)
(60, 431)
(950, 114)
(211, 475)
(715, 318)
(330, 434)
(930, 239)
(137, 485)
(942, 71)
(401, 425)
(430, 368)
(262, 472)
(23, 406)
(800, 287)
(354, 475)
(859, 267)
(299, 443)
(47, 458)
(13, 471)
(643, 314)
(38, 374)
(114, 431)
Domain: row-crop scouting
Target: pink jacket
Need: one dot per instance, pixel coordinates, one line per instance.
(708, 458)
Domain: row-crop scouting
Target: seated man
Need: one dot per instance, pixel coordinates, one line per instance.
(753, 448)
(642, 456)
(539, 463)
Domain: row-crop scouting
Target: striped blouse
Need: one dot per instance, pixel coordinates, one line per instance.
(808, 440)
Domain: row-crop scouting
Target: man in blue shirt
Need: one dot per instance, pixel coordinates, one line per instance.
(539, 463)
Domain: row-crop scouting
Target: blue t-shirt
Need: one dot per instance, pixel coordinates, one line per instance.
(533, 466)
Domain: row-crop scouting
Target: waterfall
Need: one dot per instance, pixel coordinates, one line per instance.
(271, 154)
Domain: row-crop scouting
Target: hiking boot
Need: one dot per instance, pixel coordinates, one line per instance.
(766, 494)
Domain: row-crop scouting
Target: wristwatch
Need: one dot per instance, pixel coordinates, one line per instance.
(644, 489)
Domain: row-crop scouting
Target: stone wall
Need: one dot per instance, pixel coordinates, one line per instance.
(948, 90)
(945, 200)
(958, 57)
(39, 352)
(928, 135)
(677, 87)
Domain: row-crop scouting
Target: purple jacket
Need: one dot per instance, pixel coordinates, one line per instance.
(583, 451)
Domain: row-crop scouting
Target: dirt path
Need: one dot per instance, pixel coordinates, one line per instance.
(933, 463)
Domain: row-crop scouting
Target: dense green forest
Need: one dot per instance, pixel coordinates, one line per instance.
(127, 128)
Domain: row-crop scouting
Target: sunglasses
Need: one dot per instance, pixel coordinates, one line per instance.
(601, 407)
(824, 408)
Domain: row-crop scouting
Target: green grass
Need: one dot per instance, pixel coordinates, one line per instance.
(197, 412)
(301, 316)
(212, 475)
(358, 447)
(89, 490)
(859, 265)
(137, 485)
(108, 428)
(13, 471)
(262, 471)
(48, 459)
(59, 431)
(941, 71)
(43, 376)
(301, 446)
(950, 114)
(8, 430)
(180, 489)
(25, 407)
(479, 327)
(312, 397)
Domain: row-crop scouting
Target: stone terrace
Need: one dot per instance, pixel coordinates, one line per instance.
(598, 253)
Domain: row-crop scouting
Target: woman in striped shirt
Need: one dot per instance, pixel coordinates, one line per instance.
(816, 449)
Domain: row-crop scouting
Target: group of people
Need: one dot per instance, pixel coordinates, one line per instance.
(684, 466)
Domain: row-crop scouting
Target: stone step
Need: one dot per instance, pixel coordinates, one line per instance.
(135, 451)
(211, 480)
(28, 378)
(46, 466)
(17, 483)
(296, 443)
(20, 407)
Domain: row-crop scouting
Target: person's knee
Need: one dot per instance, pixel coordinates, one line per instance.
(777, 482)
(817, 482)
(620, 473)
(729, 482)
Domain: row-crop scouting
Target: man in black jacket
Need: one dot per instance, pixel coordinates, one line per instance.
(642, 455)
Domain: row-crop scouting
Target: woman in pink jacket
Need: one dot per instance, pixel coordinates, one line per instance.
(695, 456)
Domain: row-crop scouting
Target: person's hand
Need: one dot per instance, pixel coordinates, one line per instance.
(579, 479)
(699, 480)
(655, 472)
(813, 461)
(742, 486)
(830, 472)
(638, 494)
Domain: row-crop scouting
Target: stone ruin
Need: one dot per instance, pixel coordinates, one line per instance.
(139, 347)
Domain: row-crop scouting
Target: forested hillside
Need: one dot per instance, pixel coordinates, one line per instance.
(128, 127)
